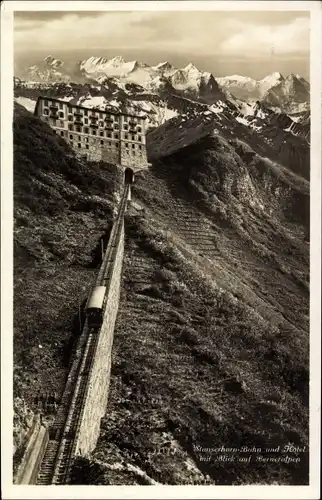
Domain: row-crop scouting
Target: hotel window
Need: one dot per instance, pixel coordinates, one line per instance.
(140, 147)
(70, 127)
(116, 126)
(139, 129)
(102, 133)
(109, 134)
(93, 132)
(86, 139)
(79, 145)
(133, 137)
(46, 102)
(70, 118)
(45, 111)
(78, 129)
(61, 123)
(71, 137)
(87, 146)
(101, 115)
(133, 146)
(133, 153)
(62, 133)
(86, 112)
(86, 130)
(126, 145)
(61, 106)
(109, 143)
(139, 138)
(125, 119)
(70, 110)
(116, 136)
(61, 114)
(79, 138)
(86, 121)
(126, 136)
(125, 126)
(102, 142)
(54, 122)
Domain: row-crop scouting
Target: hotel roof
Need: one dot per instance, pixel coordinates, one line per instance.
(118, 113)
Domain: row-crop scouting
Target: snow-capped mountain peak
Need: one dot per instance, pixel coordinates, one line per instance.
(273, 77)
(54, 63)
(270, 81)
(164, 66)
(236, 78)
(291, 94)
(117, 60)
(95, 60)
(191, 68)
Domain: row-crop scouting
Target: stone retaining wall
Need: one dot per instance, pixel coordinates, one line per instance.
(98, 387)
(35, 449)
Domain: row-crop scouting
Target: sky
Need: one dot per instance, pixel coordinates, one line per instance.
(249, 43)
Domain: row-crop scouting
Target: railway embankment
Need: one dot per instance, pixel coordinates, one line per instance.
(95, 400)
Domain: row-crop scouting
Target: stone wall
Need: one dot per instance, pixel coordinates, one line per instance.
(98, 387)
(98, 152)
(134, 158)
(35, 449)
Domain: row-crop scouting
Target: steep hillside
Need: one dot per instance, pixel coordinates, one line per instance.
(212, 341)
(264, 133)
(62, 207)
(211, 346)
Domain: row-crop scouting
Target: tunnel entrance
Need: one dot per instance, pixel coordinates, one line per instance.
(128, 176)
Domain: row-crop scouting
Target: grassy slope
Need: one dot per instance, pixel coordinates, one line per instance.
(61, 208)
(207, 352)
(211, 354)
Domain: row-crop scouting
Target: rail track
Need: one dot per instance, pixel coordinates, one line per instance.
(60, 451)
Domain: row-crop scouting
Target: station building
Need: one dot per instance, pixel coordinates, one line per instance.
(95, 134)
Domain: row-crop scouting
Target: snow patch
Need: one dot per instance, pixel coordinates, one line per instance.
(27, 103)
(242, 120)
(93, 102)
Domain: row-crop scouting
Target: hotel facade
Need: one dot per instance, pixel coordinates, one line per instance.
(96, 134)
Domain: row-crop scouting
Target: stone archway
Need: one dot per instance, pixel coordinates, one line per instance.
(128, 176)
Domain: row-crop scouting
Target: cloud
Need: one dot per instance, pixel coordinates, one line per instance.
(262, 39)
(75, 30)
(216, 33)
(49, 15)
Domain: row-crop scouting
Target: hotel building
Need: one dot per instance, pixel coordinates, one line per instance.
(95, 134)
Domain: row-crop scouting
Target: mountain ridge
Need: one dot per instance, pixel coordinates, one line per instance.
(274, 89)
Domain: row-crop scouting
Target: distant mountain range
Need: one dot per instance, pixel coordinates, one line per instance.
(245, 87)
(289, 95)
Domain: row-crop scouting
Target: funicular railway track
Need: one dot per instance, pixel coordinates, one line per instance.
(58, 458)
